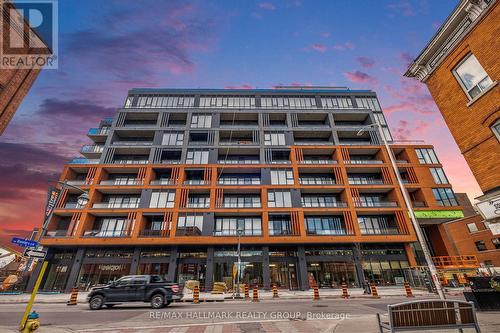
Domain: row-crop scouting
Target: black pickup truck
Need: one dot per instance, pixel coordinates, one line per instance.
(135, 288)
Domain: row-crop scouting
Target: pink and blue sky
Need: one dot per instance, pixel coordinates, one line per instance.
(108, 47)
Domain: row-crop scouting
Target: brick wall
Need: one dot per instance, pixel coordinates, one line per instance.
(470, 125)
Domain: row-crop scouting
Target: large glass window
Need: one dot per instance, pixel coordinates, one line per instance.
(173, 139)
(480, 245)
(472, 76)
(279, 198)
(197, 156)
(274, 139)
(368, 103)
(190, 224)
(439, 176)
(227, 102)
(324, 225)
(276, 102)
(110, 227)
(162, 199)
(314, 200)
(496, 129)
(373, 225)
(280, 225)
(426, 156)
(163, 102)
(241, 201)
(201, 120)
(445, 196)
(336, 102)
(281, 177)
(227, 226)
(122, 202)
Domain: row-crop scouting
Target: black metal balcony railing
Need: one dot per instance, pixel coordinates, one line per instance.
(198, 205)
(240, 181)
(106, 233)
(238, 142)
(378, 204)
(240, 205)
(384, 231)
(233, 233)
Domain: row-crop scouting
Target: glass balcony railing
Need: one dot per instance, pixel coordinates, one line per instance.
(110, 205)
(132, 143)
(238, 142)
(379, 204)
(57, 233)
(321, 204)
(83, 160)
(366, 181)
(154, 233)
(198, 205)
(72, 205)
(316, 181)
(196, 182)
(328, 232)
(145, 161)
(318, 161)
(364, 162)
(98, 131)
(106, 233)
(384, 231)
(77, 182)
(121, 182)
(236, 161)
(164, 181)
(92, 149)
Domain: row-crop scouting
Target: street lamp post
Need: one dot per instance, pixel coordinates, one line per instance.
(416, 226)
(240, 229)
(83, 199)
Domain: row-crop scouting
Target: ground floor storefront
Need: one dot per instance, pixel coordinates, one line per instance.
(287, 267)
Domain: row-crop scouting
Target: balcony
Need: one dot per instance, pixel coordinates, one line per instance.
(378, 204)
(367, 161)
(164, 181)
(227, 180)
(77, 182)
(154, 233)
(106, 233)
(379, 231)
(310, 160)
(418, 204)
(111, 205)
(83, 160)
(121, 182)
(92, 149)
(327, 232)
(198, 205)
(98, 131)
(316, 181)
(366, 181)
(241, 202)
(132, 143)
(72, 205)
(318, 203)
(57, 234)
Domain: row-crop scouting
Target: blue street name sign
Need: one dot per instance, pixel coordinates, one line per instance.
(24, 242)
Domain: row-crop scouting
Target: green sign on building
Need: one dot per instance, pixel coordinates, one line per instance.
(439, 214)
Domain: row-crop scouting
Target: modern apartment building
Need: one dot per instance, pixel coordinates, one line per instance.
(460, 67)
(176, 173)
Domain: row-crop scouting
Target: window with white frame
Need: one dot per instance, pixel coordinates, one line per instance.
(336, 102)
(274, 139)
(197, 156)
(228, 226)
(472, 77)
(162, 199)
(227, 102)
(426, 156)
(164, 102)
(288, 102)
(190, 224)
(496, 129)
(112, 227)
(368, 103)
(173, 139)
(279, 198)
(201, 120)
(281, 177)
(439, 176)
(472, 227)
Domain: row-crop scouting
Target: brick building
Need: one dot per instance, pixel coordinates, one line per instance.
(14, 82)
(176, 172)
(460, 66)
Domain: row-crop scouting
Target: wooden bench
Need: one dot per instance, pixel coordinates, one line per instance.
(429, 315)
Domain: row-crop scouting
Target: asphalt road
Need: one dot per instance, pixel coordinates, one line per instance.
(291, 315)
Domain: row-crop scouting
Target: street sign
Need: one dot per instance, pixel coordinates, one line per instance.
(34, 253)
(24, 242)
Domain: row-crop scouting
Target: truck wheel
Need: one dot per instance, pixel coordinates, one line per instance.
(157, 301)
(96, 302)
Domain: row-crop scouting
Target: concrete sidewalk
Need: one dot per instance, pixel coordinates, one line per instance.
(263, 295)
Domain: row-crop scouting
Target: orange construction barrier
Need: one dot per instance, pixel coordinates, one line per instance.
(255, 295)
(373, 288)
(73, 297)
(275, 291)
(345, 293)
(196, 294)
(409, 293)
(247, 291)
(315, 292)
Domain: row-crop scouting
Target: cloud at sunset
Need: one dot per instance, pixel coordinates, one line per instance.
(366, 62)
(359, 77)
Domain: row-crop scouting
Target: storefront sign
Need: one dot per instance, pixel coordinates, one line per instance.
(490, 208)
(439, 214)
(110, 267)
